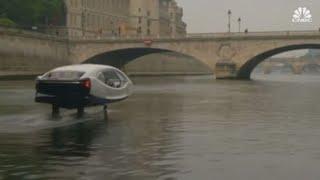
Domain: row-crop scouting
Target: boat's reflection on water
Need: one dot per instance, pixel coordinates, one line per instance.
(73, 141)
(31, 155)
(94, 146)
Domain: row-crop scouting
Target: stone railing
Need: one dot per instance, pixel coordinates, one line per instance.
(251, 34)
(273, 34)
(51, 33)
(30, 32)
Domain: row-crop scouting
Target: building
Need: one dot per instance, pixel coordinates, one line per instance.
(122, 18)
(97, 17)
(144, 16)
(157, 18)
(178, 27)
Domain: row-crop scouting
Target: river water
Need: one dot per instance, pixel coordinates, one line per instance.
(171, 128)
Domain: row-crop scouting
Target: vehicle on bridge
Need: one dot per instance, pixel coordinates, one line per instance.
(80, 86)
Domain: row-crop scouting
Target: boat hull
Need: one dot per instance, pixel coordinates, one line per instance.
(68, 94)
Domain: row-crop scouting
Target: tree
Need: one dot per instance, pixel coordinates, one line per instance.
(33, 12)
(7, 22)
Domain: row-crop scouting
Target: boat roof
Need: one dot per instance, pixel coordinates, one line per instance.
(84, 67)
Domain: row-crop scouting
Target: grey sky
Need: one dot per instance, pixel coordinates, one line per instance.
(257, 15)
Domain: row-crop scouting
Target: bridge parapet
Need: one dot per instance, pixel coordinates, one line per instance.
(254, 34)
(28, 33)
(210, 36)
(41, 33)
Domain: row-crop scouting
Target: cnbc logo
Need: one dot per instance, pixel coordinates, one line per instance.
(302, 15)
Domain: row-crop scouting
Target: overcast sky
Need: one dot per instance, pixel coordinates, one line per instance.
(257, 15)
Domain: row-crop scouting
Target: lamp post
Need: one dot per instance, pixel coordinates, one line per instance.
(229, 20)
(239, 23)
(83, 16)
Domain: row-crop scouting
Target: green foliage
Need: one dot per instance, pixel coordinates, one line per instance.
(33, 12)
(7, 22)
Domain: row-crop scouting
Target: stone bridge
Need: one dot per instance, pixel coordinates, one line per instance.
(228, 55)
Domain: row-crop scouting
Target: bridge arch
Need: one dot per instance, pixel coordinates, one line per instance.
(121, 57)
(245, 70)
(314, 67)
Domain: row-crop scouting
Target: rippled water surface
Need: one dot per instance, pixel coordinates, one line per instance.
(171, 128)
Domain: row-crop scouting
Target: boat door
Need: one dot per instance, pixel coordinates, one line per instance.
(116, 84)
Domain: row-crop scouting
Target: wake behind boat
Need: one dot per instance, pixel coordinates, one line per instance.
(80, 86)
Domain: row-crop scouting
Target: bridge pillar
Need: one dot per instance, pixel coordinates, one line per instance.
(226, 70)
(267, 67)
(297, 67)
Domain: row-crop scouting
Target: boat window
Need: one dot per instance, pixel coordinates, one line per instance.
(112, 79)
(101, 77)
(64, 75)
(122, 77)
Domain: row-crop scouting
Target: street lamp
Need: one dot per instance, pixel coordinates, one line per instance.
(229, 20)
(83, 17)
(239, 23)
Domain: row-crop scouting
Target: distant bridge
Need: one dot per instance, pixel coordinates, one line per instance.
(228, 55)
(297, 65)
